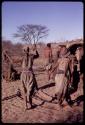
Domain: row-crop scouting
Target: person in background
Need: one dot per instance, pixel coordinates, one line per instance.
(48, 59)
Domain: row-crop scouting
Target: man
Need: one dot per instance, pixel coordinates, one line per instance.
(48, 59)
(62, 77)
(27, 75)
(57, 55)
(82, 63)
(79, 54)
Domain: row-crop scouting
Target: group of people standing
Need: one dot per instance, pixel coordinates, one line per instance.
(61, 70)
(65, 70)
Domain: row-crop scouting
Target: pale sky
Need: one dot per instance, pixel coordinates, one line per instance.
(63, 19)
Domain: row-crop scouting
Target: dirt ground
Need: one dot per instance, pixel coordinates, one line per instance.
(13, 110)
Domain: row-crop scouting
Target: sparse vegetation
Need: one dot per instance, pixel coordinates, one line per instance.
(31, 33)
(13, 109)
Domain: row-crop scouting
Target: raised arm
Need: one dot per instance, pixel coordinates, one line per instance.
(35, 52)
(36, 55)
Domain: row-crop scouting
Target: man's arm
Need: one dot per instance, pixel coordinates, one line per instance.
(69, 68)
(35, 52)
(71, 65)
(54, 67)
(18, 60)
(36, 55)
(51, 55)
(6, 57)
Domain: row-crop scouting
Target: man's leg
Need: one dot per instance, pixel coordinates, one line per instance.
(31, 96)
(30, 90)
(9, 75)
(68, 98)
(47, 73)
(35, 82)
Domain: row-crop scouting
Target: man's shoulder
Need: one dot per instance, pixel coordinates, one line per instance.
(31, 55)
(46, 48)
(72, 56)
(63, 59)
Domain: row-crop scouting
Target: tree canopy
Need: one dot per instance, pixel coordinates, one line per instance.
(31, 33)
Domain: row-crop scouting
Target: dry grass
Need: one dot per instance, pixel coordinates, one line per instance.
(13, 110)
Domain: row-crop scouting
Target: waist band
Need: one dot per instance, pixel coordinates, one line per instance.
(27, 70)
(60, 72)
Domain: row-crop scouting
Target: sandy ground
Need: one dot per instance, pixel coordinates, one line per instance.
(13, 110)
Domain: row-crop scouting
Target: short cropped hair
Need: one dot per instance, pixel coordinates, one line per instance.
(48, 44)
(27, 49)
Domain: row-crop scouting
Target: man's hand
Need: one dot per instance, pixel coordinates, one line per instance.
(51, 74)
(34, 47)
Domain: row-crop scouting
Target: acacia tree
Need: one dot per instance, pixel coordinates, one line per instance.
(31, 33)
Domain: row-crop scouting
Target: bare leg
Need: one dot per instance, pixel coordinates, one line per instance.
(48, 75)
(26, 100)
(35, 82)
(68, 98)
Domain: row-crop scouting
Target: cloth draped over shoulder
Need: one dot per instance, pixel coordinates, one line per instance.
(62, 75)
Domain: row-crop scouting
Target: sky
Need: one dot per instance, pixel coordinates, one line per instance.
(63, 19)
